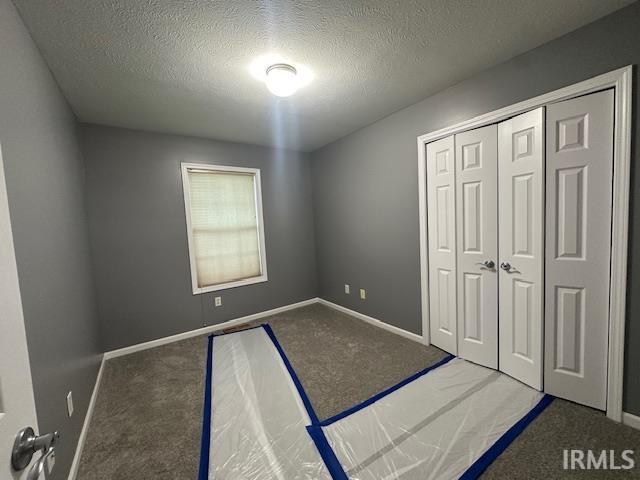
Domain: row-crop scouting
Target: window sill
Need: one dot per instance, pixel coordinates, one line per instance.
(225, 286)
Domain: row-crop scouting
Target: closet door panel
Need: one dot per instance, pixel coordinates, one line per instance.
(521, 233)
(578, 247)
(441, 224)
(476, 222)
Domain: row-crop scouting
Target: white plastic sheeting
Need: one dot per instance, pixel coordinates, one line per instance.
(435, 427)
(258, 417)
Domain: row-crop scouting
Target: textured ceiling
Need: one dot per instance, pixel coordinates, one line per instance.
(183, 66)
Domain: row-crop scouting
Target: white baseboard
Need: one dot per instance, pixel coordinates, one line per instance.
(221, 326)
(203, 331)
(631, 420)
(373, 321)
(249, 318)
(73, 472)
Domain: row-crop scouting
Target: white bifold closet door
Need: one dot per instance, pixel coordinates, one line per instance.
(521, 233)
(477, 244)
(441, 224)
(578, 246)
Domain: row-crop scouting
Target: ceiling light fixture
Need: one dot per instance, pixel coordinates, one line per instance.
(282, 79)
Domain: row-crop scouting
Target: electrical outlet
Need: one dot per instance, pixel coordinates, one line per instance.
(363, 294)
(70, 403)
(218, 301)
(346, 289)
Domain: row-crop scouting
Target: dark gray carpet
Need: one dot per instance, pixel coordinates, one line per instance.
(148, 414)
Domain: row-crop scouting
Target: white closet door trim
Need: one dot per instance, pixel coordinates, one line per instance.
(621, 80)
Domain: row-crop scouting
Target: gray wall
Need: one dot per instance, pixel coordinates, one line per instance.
(365, 185)
(139, 240)
(44, 174)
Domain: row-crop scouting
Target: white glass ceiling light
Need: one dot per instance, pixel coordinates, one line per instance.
(282, 79)
(282, 75)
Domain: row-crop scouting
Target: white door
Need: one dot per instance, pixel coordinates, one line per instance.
(521, 233)
(441, 220)
(578, 241)
(477, 230)
(17, 407)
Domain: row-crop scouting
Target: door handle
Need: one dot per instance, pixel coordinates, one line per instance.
(490, 264)
(506, 266)
(27, 443)
(38, 468)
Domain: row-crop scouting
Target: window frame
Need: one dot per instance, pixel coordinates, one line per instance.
(257, 189)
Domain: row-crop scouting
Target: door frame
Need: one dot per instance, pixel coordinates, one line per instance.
(621, 81)
(19, 377)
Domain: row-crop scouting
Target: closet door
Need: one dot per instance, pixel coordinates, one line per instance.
(578, 250)
(521, 233)
(441, 224)
(476, 225)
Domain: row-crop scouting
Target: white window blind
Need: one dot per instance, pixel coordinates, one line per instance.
(225, 226)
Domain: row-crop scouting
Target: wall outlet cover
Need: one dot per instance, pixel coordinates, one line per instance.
(363, 294)
(218, 301)
(70, 403)
(347, 289)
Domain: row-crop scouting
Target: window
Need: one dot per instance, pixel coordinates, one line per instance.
(223, 207)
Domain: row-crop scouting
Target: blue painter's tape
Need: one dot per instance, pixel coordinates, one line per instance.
(303, 395)
(326, 452)
(384, 393)
(481, 464)
(203, 471)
